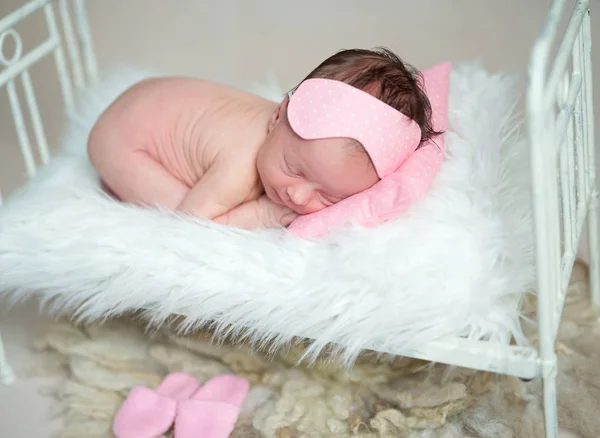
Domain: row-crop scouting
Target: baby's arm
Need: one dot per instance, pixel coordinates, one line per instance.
(258, 213)
(223, 196)
(221, 189)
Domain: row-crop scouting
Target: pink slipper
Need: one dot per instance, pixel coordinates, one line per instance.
(148, 413)
(212, 411)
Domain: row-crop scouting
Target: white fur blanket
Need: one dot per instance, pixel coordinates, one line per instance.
(457, 263)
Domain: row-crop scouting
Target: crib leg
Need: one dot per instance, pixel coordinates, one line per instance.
(6, 373)
(550, 404)
(594, 245)
(590, 146)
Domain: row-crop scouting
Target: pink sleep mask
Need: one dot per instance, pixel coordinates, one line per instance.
(325, 108)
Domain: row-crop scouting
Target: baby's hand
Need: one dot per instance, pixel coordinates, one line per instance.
(258, 213)
(272, 215)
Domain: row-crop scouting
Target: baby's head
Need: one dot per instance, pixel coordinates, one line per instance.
(308, 175)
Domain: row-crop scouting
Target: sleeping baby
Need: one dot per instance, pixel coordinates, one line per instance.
(329, 154)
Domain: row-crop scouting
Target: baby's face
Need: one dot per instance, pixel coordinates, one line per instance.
(309, 175)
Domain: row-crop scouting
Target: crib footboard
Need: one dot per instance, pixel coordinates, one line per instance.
(67, 40)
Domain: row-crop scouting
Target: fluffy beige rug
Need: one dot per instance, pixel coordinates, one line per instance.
(377, 398)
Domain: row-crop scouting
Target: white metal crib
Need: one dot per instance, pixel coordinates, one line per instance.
(559, 119)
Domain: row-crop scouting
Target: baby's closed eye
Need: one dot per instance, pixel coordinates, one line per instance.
(291, 170)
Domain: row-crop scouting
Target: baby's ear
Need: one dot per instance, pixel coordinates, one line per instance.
(276, 116)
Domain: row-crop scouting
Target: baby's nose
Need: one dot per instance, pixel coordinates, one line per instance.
(299, 195)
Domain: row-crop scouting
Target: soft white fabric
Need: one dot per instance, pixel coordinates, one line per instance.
(456, 264)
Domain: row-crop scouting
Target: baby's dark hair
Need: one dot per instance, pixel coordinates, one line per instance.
(385, 76)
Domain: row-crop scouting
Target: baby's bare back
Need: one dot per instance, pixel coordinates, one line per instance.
(184, 144)
(182, 123)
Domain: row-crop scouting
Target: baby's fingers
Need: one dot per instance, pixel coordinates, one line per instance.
(287, 218)
(274, 215)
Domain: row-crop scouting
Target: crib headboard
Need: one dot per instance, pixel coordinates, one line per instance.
(66, 31)
(561, 137)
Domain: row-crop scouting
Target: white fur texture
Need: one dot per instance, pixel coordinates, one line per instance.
(457, 264)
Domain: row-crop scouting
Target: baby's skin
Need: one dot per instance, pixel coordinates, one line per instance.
(212, 151)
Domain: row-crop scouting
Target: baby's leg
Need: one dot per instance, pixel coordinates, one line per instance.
(137, 178)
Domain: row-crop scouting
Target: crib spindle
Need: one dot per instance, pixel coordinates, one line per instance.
(580, 128)
(21, 129)
(564, 146)
(561, 124)
(61, 64)
(36, 119)
(579, 186)
(71, 43)
(85, 37)
(570, 150)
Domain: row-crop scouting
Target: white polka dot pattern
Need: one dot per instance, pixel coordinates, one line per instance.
(324, 108)
(395, 193)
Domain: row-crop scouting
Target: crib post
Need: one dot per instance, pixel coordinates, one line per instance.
(594, 250)
(6, 373)
(593, 243)
(550, 400)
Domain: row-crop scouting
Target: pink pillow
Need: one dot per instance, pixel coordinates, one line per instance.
(396, 192)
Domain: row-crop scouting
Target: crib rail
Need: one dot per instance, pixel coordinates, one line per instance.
(78, 69)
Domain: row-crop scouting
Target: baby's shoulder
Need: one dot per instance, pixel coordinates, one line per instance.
(169, 88)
